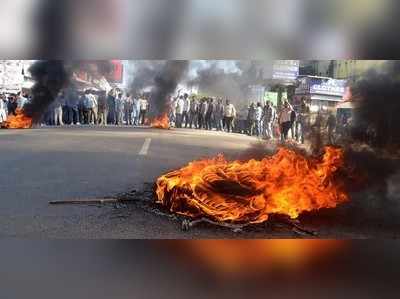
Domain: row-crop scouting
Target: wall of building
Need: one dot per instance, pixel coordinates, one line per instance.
(353, 69)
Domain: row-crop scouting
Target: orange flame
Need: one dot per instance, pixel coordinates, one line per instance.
(286, 183)
(18, 121)
(160, 122)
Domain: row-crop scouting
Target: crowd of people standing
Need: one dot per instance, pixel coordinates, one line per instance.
(117, 108)
(202, 113)
(271, 122)
(96, 108)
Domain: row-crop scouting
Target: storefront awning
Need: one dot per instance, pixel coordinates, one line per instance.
(325, 98)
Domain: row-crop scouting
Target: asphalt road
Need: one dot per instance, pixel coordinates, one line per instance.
(40, 165)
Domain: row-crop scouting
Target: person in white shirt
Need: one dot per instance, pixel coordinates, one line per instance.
(21, 100)
(186, 110)
(144, 105)
(258, 117)
(284, 120)
(58, 115)
(91, 107)
(3, 106)
(269, 116)
(136, 111)
(179, 108)
(230, 114)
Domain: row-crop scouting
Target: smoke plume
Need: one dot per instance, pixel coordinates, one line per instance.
(50, 77)
(223, 80)
(166, 82)
(378, 94)
(144, 72)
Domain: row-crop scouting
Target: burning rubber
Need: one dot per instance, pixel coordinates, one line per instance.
(238, 193)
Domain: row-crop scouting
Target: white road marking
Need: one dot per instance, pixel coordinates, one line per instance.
(145, 147)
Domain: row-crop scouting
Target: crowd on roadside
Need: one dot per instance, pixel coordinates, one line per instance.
(206, 113)
(96, 108)
(209, 113)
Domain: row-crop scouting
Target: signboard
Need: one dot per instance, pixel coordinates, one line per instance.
(324, 86)
(328, 87)
(273, 97)
(286, 70)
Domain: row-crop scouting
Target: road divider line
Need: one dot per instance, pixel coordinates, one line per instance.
(145, 147)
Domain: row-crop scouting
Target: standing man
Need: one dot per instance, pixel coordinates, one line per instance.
(293, 120)
(72, 102)
(202, 113)
(92, 108)
(111, 117)
(21, 100)
(269, 116)
(302, 119)
(193, 113)
(179, 108)
(331, 125)
(284, 120)
(230, 114)
(58, 113)
(144, 104)
(186, 110)
(210, 114)
(259, 119)
(251, 117)
(219, 115)
(135, 110)
(128, 110)
(119, 109)
(103, 108)
(3, 106)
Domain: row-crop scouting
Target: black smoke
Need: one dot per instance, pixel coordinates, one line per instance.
(50, 77)
(165, 84)
(143, 75)
(216, 80)
(378, 95)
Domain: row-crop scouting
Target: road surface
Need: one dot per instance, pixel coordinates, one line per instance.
(41, 165)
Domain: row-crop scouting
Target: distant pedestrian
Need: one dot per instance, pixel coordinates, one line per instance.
(251, 118)
(128, 108)
(331, 125)
(209, 119)
(179, 105)
(135, 110)
(102, 108)
(119, 109)
(302, 120)
(112, 117)
(269, 117)
(144, 105)
(72, 103)
(3, 109)
(186, 110)
(230, 114)
(284, 120)
(193, 114)
(58, 113)
(259, 119)
(202, 113)
(219, 115)
(91, 107)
